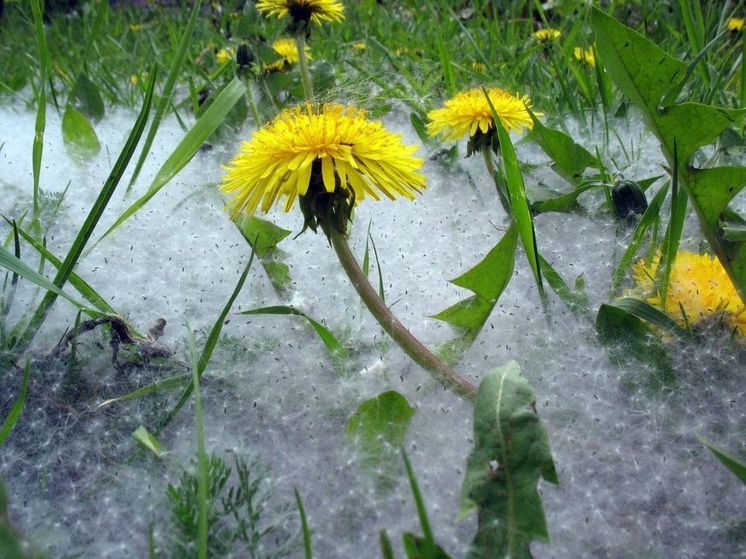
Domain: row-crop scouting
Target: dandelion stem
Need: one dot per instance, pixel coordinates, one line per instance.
(305, 76)
(411, 345)
(252, 103)
(493, 172)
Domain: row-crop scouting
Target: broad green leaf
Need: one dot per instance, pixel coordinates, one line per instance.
(327, 337)
(734, 464)
(628, 340)
(562, 203)
(651, 314)
(278, 274)
(519, 208)
(380, 424)
(261, 234)
(511, 453)
(576, 300)
(147, 440)
(78, 134)
(187, 148)
(86, 98)
(15, 412)
(487, 279)
(570, 159)
(645, 73)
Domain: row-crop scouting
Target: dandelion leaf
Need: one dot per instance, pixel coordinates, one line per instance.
(644, 73)
(377, 429)
(417, 547)
(262, 235)
(511, 453)
(487, 280)
(78, 134)
(86, 98)
(570, 159)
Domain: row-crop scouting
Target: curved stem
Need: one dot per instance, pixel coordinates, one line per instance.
(492, 170)
(305, 76)
(411, 345)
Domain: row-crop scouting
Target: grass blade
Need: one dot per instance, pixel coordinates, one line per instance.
(307, 550)
(735, 465)
(187, 148)
(518, 200)
(64, 271)
(15, 412)
(168, 88)
(202, 461)
(212, 340)
(41, 113)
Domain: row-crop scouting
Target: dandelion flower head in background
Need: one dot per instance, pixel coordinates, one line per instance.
(546, 35)
(585, 55)
(301, 12)
(699, 287)
(224, 56)
(287, 49)
(330, 148)
(736, 24)
(469, 113)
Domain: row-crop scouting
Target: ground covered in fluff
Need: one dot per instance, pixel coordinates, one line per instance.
(634, 479)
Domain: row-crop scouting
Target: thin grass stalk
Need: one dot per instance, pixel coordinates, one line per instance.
(411, 345)
(86, 231)
(41, 113)
(165, 99)
(202, 462)
(492, 170)
(305, 75)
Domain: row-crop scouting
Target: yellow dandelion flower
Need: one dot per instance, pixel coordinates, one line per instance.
(134, 79)
(736, 24)
(224, 56)
(288, 50)
(468, 112)
(303, 11)
(400, 50)
(135, 27)
(479, 66)
(310, 150)
(699, 287)
(359, 46)
(546, 35)
(585, 55)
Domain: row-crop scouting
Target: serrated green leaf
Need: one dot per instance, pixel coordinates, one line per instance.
(78, 134)
(147, 440)
(570, 158)
(645, 73)
(511, 453)
(86, 98)
(487, 279)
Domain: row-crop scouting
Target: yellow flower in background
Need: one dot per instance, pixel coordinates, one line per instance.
(135, 27)
(328, 149)
(479, 66)
(289, 52)
(400, 50)
(303, 11)
(699, 287)
(469, 112)
(224, 56)
(585, 55)
(360, 45)
(546, 35)
(736, 24)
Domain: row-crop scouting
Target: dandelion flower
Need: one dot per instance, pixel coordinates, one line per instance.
(736, 24)
(224, 56)
(469, 113)
(303, 11)
(699, 287)
(310, 151)
(546, 35)
(360, 45)
(585, 55)
(287, 49)
(135, 27)
(479, 66)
